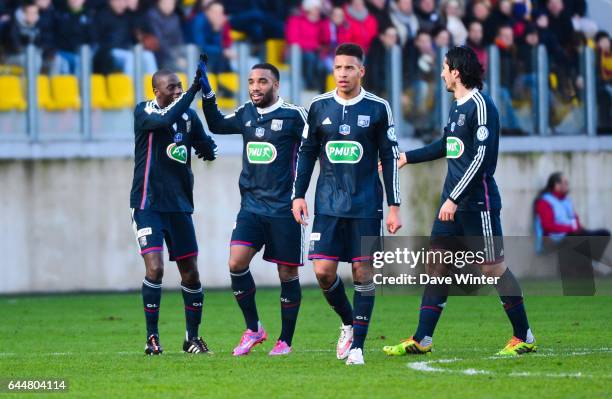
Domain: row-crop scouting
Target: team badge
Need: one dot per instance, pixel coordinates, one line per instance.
(142, 241)
(277, 125)
(344, 130)
(391, 134)
(363, 120)
(461, 120)
(482, 133)
(178, 137)
(453, 127)
(259, 132)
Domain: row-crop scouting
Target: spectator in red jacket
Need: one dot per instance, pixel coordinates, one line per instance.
(310, 32)
(363, 27)
(475, 41)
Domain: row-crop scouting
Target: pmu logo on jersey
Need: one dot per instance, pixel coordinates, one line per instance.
(344, 130)
(454, 147)
(259, 132)
(258, 152)
(343, 151)
(363, 120)
(177, 153)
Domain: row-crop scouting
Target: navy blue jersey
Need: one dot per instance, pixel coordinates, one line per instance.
(348, 136)
(271, 137)
(470, 144)
(163, 180)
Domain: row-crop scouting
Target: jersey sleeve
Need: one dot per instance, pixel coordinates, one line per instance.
(218, 123)
(148, 117)
(388, 152)
(300, 122)
(430, 152)
(310, 149)
(201, 142)
(483, 130)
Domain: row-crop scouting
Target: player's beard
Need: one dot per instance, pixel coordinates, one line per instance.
(266, 99)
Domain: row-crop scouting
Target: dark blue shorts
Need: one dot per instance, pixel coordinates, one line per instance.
(152, 228)
(339, 239)
(473, 231)
(282, 237)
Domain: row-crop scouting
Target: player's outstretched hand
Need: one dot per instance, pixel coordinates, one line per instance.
(300, 211)
(394, 222)
(202, 75)
(447, 211)
(206, 150)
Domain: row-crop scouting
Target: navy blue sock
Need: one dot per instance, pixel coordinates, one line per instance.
(244, 289)
(363, 304)
(337, 299)
(193, 297)
(291, 295)
(512, 298)
(151, 298)
(432, 304)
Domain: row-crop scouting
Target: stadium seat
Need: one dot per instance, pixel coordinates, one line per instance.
(120, 91)
(237, 36)
(330, 83)
(275, 51)
(43, 93)
(12, 97)
(229, 80)
(99, 94)
(65, 92)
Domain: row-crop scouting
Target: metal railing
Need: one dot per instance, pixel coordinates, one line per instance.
(540, 111)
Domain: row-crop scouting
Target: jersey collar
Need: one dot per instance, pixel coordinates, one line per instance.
(465, 98)
(351, 101)
(271, 108)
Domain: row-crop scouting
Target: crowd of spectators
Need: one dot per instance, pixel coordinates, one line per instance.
(419, 27)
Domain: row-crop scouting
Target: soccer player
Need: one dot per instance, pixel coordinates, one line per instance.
(470, 202)
(165, 130)
(348, 129)
(271, 130)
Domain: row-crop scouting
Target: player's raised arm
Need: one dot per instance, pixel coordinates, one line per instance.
(204, 145)
(218, 123)
(485, 126)
(149, 116)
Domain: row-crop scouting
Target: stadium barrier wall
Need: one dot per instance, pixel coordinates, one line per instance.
(66, 222)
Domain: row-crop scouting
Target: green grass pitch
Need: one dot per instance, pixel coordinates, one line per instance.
(96, 343)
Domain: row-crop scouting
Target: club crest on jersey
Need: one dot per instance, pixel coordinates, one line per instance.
(177, 153)
(482, 133)
(344, 130)
(454, 147)
(344, 151)
(260, 152)
(461, 120)
(277, 125)
(259, 132)
(363, 120)
(178, 137)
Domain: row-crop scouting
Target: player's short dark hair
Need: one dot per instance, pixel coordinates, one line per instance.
(269, 67)
(464, 60)
(159, 74)
(351, 49)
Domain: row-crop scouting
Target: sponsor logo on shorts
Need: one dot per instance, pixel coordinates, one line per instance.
(260, 152)
(177, 153)
(344, 151)
(142, 241)
(315, 236)
(147, 231)
(454, 147)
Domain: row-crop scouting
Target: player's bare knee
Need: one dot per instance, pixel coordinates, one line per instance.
(286, 273)
(362, 272)
(325, 277)
(436, 270)
(495, 270)
(155, 272)
(237, 264)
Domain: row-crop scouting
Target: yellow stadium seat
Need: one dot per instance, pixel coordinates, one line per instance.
(120, 91)
(275, 53)
(330, 83)
(229, 80)
(99, 94)
(237, 35)
(189, 3)
(12, 97)
(213, 80)
(65, 92)
(43, 89)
